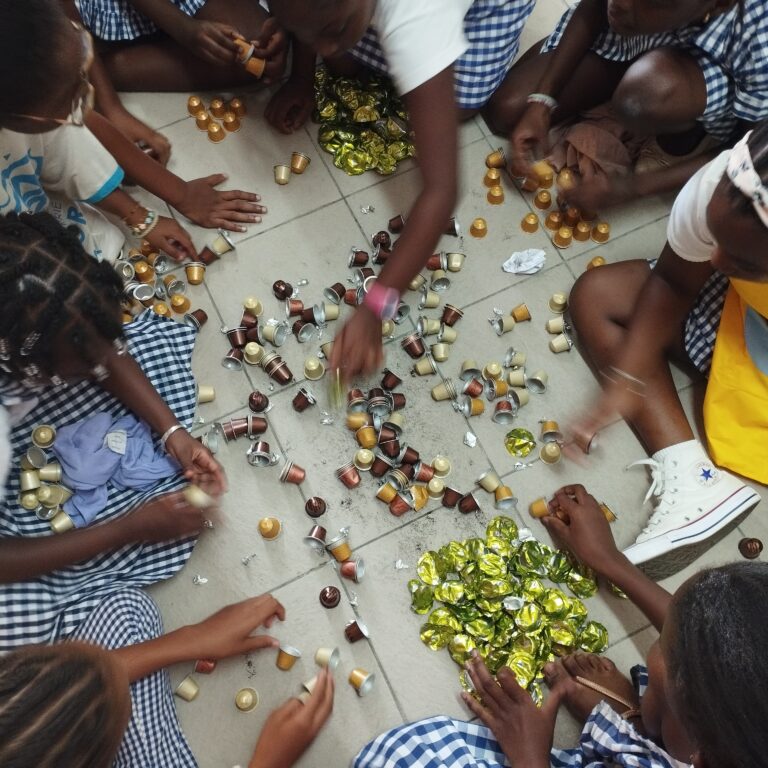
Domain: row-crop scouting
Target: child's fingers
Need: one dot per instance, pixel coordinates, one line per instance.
(489, 690)
(241, 195)
(477, 708)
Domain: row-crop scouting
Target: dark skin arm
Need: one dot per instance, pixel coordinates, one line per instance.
(162, 519)
(357, 349)
(578, 523)
(292, 104)
(529, 139)
(197, 199)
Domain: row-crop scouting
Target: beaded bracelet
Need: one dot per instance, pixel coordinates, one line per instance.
(543, 98)
(143, 228)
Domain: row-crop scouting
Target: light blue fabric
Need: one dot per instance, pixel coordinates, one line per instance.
(88, 463)
(756, 337)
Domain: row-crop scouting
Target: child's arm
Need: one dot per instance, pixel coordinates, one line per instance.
(434, 120)
(128, 383)
(212, 41)
(162, 519)
(583, 529)
(529, 139)
(197, 199)
(226, 633)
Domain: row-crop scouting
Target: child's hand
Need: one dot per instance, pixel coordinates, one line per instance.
(206, 206)
(165, 518)
(579, 524)
(357, 349)
(229, 631)
(291, 728)
(198, 463)
(522, 729)
(529, 140)
(137, 132)
(600, 191)
(291, 105)
(272, 45)
(212, 41)
(169, 236)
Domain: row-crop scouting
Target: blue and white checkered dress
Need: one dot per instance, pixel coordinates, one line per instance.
(153, 738)
(119, 20)
(50, 607)
(492, 28)
(441, 742)
(730, 50)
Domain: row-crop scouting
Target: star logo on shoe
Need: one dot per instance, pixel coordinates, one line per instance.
(706, 474)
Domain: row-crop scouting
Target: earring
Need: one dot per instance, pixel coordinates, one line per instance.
(706, 18)
(29, 344)
(121, 347)
(5, 350)
(100, 372)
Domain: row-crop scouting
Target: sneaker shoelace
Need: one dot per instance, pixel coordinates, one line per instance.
(660, 489)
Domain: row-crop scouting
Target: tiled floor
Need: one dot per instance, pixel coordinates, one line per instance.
(310, 227)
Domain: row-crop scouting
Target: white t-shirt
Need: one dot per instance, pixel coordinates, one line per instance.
(420, 38)
(64, 172)
(687, 230)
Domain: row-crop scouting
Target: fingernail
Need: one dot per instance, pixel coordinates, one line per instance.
(265, 209)
(241, 228)
(254, 219)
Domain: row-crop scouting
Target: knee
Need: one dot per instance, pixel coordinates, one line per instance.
(585, 300)
(502, 112)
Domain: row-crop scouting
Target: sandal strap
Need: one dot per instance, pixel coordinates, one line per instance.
(632, 710)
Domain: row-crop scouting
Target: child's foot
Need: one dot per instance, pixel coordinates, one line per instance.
(579, 699)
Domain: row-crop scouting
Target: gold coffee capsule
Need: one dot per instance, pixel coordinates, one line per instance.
(539, 508)
(495, 195)
(601, 232)
(478, 228)
(194, 105)
(530, 223)
(215, 132)
(43, 436)
(287, 656)
(231, 122)
(299, 162)
(246, 699)
(492, 178)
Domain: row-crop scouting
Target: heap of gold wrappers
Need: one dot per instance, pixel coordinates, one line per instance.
(496, 599)
(362, 123)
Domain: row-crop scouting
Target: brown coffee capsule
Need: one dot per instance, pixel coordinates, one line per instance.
(410, 455)
(293, 307)
(259, 454)
(350, 297)
(335, 293)
(451, 497)
(383, 238)
(315, 539)
(330, 597)
(436, 261)
(424, 472)
(396, 224)
(292, 473)
(257, 425)
(750, 548)
(282, 290)
(353, 569)
(451, 315)
(205, 666)
(258, 402)
(315, 506)
(236, 337)
(474, 388)
(356, 630)
(233, 360)
(357, 258)
(380, 255)
(414, 346)
(391, 448)
(468, 503)
(390, 380)
(397, 401)
(349, 475)
(303, 399)
(400, 505)
(381, 465)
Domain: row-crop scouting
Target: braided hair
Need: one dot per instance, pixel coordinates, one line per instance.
(49, 286)
(718, 666)
(59, 706)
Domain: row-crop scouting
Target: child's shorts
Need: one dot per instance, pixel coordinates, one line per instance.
(492, 28)
(119, 20)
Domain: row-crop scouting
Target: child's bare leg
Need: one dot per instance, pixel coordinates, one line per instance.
(592, 83)
(579, 699)
(663, 93)
(602, 303)
(159, 63)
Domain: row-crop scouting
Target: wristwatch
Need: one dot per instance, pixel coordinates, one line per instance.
(382, 301)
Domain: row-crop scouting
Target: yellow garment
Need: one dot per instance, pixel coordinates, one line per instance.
(736, 402)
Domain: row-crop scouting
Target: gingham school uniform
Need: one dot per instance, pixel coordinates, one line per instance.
(153, 738)
(52, 606)
(492, 29)
(730, 51)
(441, 742)
(119, 20)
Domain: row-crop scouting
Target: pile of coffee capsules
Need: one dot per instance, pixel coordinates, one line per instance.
(504, 596)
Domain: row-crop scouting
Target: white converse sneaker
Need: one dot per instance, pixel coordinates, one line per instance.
(694, 500)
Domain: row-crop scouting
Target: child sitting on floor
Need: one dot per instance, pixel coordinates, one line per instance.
(698, 702)
(72, 699)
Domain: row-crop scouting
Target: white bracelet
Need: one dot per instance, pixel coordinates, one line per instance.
(543, 98)
(168, 433)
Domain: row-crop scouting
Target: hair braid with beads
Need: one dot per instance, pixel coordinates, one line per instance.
(49, 284)
(58, 707)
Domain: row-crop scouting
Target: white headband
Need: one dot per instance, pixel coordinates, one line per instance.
(743, 176)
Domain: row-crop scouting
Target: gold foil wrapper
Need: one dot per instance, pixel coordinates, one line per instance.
(501, 527)
(593, 637)
(435, 636)
(581, 586)
(519, 442)
(430, 568)
(523, 666)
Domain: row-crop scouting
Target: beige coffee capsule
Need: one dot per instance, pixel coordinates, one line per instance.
(429, 299)
(489, 481)
(440, 281)
(187, 689)
(198, 498)
(514, 359)
(435, 488)
(455, 261)
(387, 328)
(516, 377)
(44, 436)
(282, 174)
(253, 306)
(550, 453)
(253, 353)
(287, 656)
(61, 522)
(205, 393)
(442, 466)
(443, 391)
(521, 313)
(558, 302)
(503, 324)
(246, 699)
(539, 508)
(560, 343)
(440, 352)
(447, 335)
(331, 311)
(363, 459)
(555, 324)
(519, 396)
(313, 369)
(492, 370)
(428, 326)
(417, 283)
(51, 473)
(537, 382)
(29, 480)
(327, 658)
(425, 366)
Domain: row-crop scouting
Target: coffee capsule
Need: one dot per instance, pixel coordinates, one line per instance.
(327, 658)
(287, 656)
(362, 681)
(187, 689)
(299, 162)
(246, 699)
(282, 174)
